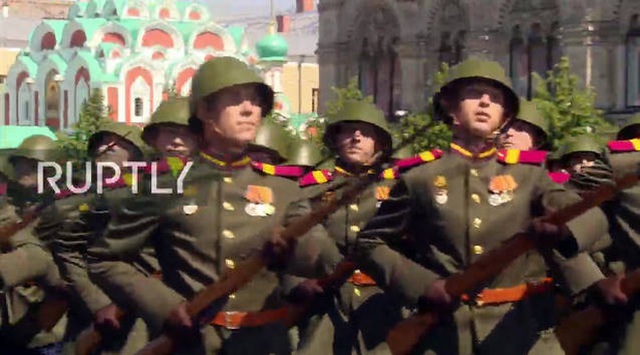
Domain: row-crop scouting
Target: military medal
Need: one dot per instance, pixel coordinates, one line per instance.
(501, 187)
(190, 209)
(441, 194)
(260, 201)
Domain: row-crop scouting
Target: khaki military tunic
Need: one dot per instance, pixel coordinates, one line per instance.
(361, 316)
(225, 214)
(27, 271)
(624, 255)
(83, 218)
(443, 216)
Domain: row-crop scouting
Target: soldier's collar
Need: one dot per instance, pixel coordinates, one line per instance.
(343, 171)
(241, 163)
(482, 155)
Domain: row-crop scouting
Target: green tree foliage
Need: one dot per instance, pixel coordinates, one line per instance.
(568, 106)
(420, 128)
(92, 116)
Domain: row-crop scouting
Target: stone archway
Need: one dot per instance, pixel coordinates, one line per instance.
(52, 98)
(375, 59)
(533, 41)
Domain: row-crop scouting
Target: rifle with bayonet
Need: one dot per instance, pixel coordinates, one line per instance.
(403, 338)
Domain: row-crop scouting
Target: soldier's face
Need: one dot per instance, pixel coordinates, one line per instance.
(113, 149)
(26, 171)
(356, 142)
(232, 115)
(579, 160)
(480, 110)
(518, 136)
(175, 141)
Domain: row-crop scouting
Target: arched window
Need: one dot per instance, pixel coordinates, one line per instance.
(633, 62)
(518, 65)
(138, 110)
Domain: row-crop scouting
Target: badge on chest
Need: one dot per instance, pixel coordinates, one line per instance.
(501, 189)
(260, 201)
(440, 188)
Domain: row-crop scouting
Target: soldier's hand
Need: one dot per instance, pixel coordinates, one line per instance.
(108, 317)
(437, 295)
(610, 289)
(277, 250)
(179, 319)
(306, 290)
(551, 235)
(179, 325)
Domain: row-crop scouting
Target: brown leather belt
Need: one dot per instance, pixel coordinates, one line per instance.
(236, 320)
(510, 294)
(361, 279)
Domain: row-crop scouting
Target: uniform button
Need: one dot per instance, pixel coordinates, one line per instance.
(475, 198)
(228, 180)
(230, 264)
(353, 207)
(354, 228)
(228, 234)
(356, 291)
(232, 296)
(227, 206)
(474, 172)
(478, 249)
(477, 222)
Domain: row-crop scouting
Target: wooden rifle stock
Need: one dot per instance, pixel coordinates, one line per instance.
(235, 278)
(403, 338)
(581, 328)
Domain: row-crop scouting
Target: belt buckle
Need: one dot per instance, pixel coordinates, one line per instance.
(229, 318)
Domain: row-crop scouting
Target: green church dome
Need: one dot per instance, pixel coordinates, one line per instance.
(272, 48)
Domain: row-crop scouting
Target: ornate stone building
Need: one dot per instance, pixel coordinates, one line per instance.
(394, 47)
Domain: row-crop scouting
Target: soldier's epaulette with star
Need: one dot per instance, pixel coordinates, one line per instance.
(559, 177)
(515, 156)
(631, 145)
(315, 177)
(419, 159)
(278, 170)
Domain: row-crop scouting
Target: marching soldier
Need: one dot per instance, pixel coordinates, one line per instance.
(227, 211)
(168, 132)
(447, 213)
(528, 132)
(115, 143)
(624, 213)
(28, 274)
(356, 135)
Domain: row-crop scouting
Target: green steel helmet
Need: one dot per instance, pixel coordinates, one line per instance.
(626, 132)
(272, 138)
(6, 170)
(174, 111)
(359, 111)
(582, 144)
(475, 69)
(131, 134)
(304, 152)
(37, 147)
(530, 113)
(223, 72)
